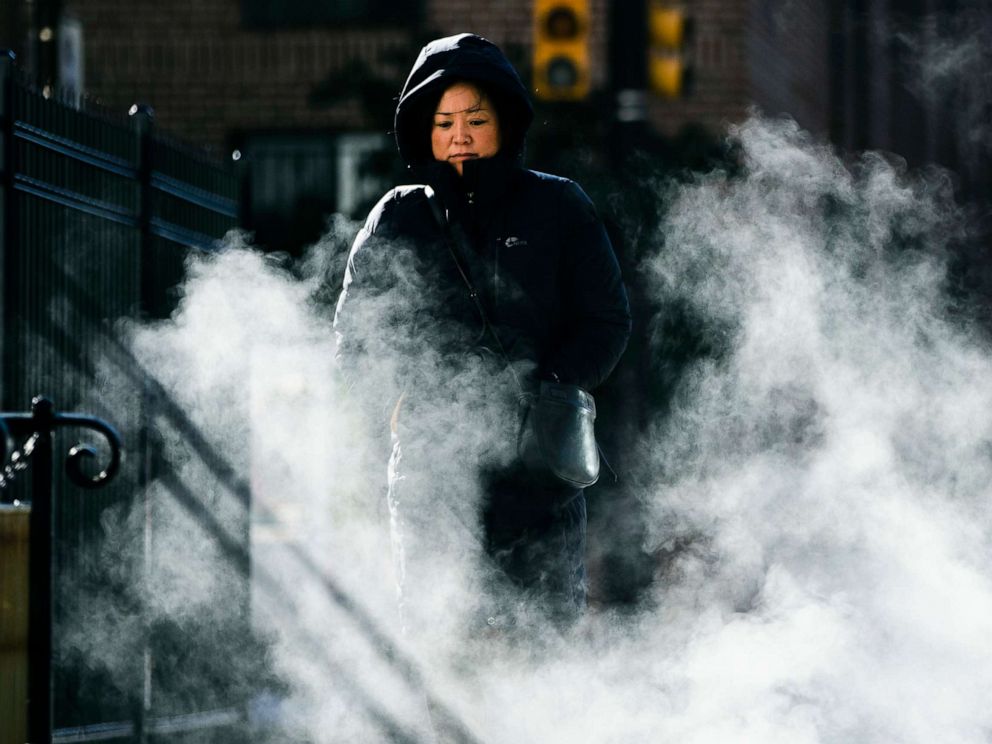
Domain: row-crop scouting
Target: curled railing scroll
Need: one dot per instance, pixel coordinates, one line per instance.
(35, 431)
(42, 421)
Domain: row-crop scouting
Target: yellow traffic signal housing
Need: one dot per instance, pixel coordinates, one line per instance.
(666, 74)
(667, 68)
(666, 25)
(561, 49)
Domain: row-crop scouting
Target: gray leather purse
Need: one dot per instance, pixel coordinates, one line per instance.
(556, 441)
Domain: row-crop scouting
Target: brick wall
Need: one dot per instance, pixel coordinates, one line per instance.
(718, 53)
(769, 53)
(788, 58)
(205, 75)
(717, 56)
(509, 24)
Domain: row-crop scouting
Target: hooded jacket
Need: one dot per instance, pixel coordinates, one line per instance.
(541, 259)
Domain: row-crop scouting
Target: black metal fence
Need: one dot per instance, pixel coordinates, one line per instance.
(98, 213)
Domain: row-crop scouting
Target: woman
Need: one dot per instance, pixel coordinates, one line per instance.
(545, 273)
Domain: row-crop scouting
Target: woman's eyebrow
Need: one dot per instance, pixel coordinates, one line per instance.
(472, 110)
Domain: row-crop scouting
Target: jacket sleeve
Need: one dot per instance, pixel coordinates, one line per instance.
(595, 311)
(361, 277)
(364, 319)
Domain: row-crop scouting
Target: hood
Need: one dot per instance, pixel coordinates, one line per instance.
(445, 61)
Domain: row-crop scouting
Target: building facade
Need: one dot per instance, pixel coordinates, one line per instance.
(308, 92)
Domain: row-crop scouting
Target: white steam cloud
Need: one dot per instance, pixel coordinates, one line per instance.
(818, 495)
(951, 57)
(831, 464)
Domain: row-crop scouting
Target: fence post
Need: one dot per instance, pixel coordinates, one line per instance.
(6, 199)
(40, 572)
(143, 117)
(242, 170)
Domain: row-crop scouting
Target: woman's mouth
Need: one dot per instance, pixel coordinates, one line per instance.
(462, 156)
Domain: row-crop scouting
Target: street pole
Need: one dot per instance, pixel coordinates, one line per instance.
(628, 76)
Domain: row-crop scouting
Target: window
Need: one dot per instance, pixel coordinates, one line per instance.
(299, 178)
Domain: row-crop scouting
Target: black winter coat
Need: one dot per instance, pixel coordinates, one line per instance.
(542, 264)
(541, 259)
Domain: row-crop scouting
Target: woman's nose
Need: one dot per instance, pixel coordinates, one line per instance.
(461, 134)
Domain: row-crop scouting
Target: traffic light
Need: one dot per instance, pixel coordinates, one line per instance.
(561, 49)
(668, 71)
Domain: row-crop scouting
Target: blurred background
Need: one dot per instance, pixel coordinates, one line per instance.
(138, 131)
(306, 91)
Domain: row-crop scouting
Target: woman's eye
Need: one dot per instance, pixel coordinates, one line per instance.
(478, 122)
(443, 124)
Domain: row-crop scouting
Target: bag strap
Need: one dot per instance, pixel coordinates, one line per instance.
(457, 243)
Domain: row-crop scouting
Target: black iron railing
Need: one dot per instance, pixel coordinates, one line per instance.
(33, 432)
(99, 212)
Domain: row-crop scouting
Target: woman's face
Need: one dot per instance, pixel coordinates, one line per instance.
(465, 126)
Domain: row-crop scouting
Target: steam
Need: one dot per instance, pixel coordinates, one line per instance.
(817, 494)
(830, 464)
(952, 72)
